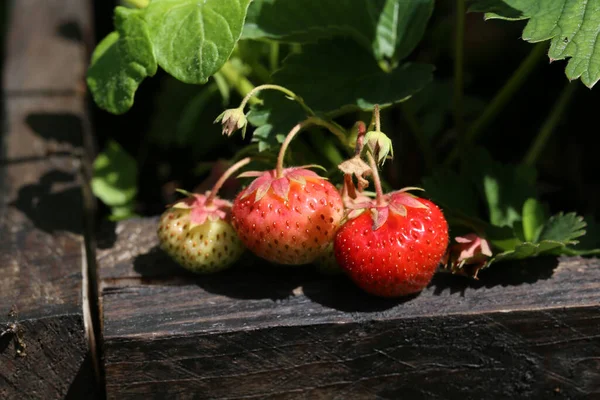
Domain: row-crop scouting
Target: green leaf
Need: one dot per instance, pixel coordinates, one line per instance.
(120, 62)
(504, 187)
(386, 28)
(114, 178)
(274, 119)
(564, 228)
(534, 217)
(195, 124)
(184, 118)
(503, 238)
(331, 76)
(193, 38)
(571, 25)
(434, 105)
(528, 250)
(339, 74)
(558, 232)
(119, 213)
(589, 244)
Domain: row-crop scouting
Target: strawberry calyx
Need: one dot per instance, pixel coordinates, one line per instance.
(201, 209)
(396, 203)
(266, 180)
(209, 206)
(355, 166)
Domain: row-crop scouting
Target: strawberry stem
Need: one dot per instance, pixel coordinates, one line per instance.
(376, 180)
(360, 138)
(375, 123)
(377, 118)
(285, 145)
(282, 89)
(349, 188)
(230, 171)
(333, 128)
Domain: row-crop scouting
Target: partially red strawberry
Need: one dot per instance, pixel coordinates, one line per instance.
(394, 247)
(287, 217)
(197, 233)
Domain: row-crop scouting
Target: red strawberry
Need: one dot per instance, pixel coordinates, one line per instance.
(394, 247)
(288, 217)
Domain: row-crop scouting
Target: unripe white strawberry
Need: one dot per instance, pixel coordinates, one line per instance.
(196, 232)
(199, 237)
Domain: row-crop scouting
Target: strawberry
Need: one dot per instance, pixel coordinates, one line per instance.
(390, 246)
(393, 248)
(287, 217)
(197, 233)
(198, 236)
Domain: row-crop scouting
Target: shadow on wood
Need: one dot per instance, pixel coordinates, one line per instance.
(59, 129)
(70, 30)
(49, 203)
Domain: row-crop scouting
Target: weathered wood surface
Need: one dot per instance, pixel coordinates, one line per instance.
(524, 331)
(44, 348)
(45, 52)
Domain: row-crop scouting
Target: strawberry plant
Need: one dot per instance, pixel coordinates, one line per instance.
(496, 139)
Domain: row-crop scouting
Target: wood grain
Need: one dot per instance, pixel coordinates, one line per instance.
(523, 331)
(44, 50)
(44, 324)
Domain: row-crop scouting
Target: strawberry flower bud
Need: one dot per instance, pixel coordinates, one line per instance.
(232, 120)
(379, 145)
(470, 250)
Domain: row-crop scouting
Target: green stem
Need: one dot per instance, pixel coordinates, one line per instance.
(230, 171)
(309, 121)
(334, 128)
(376, 179)
(372, 123)
(138, 3)
(239, 82)
(282, 89)
(296, 48)
(459, 69)
(326, 146)
(274, 56)
(418, 134)
(377, 117)
(511, 86)
(542, 137)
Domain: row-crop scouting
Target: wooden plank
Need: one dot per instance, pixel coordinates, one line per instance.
(524, 331)
(41, 270)
(45, 49)
(45, 323)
